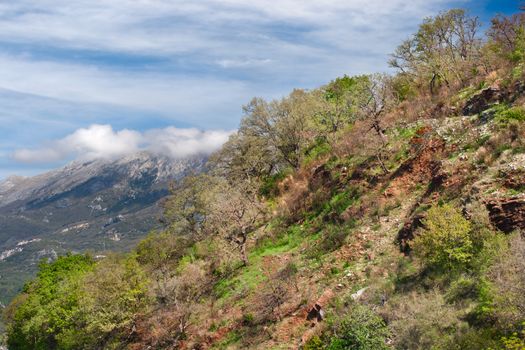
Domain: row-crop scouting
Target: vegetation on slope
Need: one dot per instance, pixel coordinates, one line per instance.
(376, 212)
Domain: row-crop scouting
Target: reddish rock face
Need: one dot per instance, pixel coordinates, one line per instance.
(507, 214)
(514, 179)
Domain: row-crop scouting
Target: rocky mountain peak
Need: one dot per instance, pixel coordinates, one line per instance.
(96, 205)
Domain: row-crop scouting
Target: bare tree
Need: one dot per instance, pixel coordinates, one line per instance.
(379, 98)
(244, 157)
(235, 213)
(186, 210)
(507, 33)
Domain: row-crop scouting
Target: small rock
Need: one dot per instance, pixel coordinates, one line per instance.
(359, 293)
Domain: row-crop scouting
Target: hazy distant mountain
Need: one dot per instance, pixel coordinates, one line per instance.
(98, 206)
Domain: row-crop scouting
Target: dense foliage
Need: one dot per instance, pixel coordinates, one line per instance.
(445, 242)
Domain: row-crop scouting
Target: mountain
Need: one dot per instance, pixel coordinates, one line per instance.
(98, 206)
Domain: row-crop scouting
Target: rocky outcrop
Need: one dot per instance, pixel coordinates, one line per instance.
(513, 179)
(408, 231)
(482, 101)
(320, 177)
(507, 214)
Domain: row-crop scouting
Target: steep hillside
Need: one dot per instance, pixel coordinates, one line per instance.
(375, 212)
(95, 206)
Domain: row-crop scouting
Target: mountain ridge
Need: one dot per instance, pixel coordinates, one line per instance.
(84, 205)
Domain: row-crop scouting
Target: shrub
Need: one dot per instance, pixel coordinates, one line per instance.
(445, 240)
(341, 201)
(507, 276)
(462, 288)
(315, 343)
(333, 238)
(360, 329)
(422, 321)
(515, 341)
(507, 115)
(318, 149)
(269, 187)
(111, 297)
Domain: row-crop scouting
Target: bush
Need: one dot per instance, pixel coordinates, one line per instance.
(515, 341)
(315, 343)
(333, 237)
(111, 296)
(270, 184)
(445, 240)
(361, 329)
(507, 115)
(422, 321)
(341, 201)
(507, 277)
(318, 149)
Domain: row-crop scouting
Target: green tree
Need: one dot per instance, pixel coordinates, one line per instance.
(45, 310)
(342, 99)
(445, 240)
(186, 209)
(280, 126)
(111, 297)
(507, 36)
(443, 51)
(245, 157)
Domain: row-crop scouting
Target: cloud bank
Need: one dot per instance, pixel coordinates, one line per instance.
(102, 142)
(158, 55)
(67, 64)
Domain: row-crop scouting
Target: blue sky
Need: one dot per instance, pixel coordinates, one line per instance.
(93, 77)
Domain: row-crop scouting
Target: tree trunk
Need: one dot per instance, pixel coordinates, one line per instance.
(244, 256)
(242, 245)
(379, 157)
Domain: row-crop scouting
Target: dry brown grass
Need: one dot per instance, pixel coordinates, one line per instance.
(508, 280)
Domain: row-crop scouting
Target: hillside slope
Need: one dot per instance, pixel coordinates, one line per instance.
(376, 212)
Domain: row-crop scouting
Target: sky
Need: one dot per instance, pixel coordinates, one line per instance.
(91, 78)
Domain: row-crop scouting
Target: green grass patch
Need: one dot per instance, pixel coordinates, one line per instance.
(467, 93)
(505, 115)
(343, 200)
(284, 242)
(332, 237)
(339, 202)
(231, 338)
(473, 146)
(406, 133)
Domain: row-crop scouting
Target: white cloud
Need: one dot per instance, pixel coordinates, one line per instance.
(101, 141)
(239, 63)
(44, 155)
(182, 62)
(172, 26)
(184, 142)
(291, 40)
